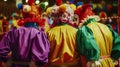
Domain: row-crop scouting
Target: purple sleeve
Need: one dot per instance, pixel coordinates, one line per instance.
(40, 49)
(5, 44)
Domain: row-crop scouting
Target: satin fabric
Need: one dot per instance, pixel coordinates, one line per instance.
(94, 40)
(62, 45)
(115, 54)
(26, 44)
(103, 37)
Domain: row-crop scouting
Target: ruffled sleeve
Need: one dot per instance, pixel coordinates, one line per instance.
(115, 54)
(40, 49)
(5, 45)
(86, 44)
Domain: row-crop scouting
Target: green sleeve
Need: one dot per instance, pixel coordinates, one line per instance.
(86, 44)
(115, 54)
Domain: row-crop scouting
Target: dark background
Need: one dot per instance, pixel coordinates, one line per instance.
(7, 8)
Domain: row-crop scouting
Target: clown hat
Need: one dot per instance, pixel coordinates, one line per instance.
(31, 14)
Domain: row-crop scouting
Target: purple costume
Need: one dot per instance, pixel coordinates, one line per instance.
(26, 44)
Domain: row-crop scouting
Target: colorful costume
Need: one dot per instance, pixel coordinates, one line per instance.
(27, 43)
(62, 39)
(96, 41)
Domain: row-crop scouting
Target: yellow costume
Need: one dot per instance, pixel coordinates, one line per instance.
(62, 39)
(63, 45)
(95, 40)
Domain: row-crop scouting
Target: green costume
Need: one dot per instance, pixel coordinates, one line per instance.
(98, 42)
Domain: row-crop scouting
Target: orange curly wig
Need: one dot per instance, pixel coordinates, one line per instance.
(84, 11)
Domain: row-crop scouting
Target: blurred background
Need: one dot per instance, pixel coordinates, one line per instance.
(110, 7)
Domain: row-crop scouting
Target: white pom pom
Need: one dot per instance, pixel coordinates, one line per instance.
(26, 8)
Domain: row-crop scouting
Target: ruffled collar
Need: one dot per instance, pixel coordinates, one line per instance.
(91, 20)
(59, 22)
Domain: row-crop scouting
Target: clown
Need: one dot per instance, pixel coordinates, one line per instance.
(52, 13)
(28, 43)
(95, 41)
(62, 38)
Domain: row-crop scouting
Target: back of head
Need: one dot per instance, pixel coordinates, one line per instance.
(84, 11)
(31, 13)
